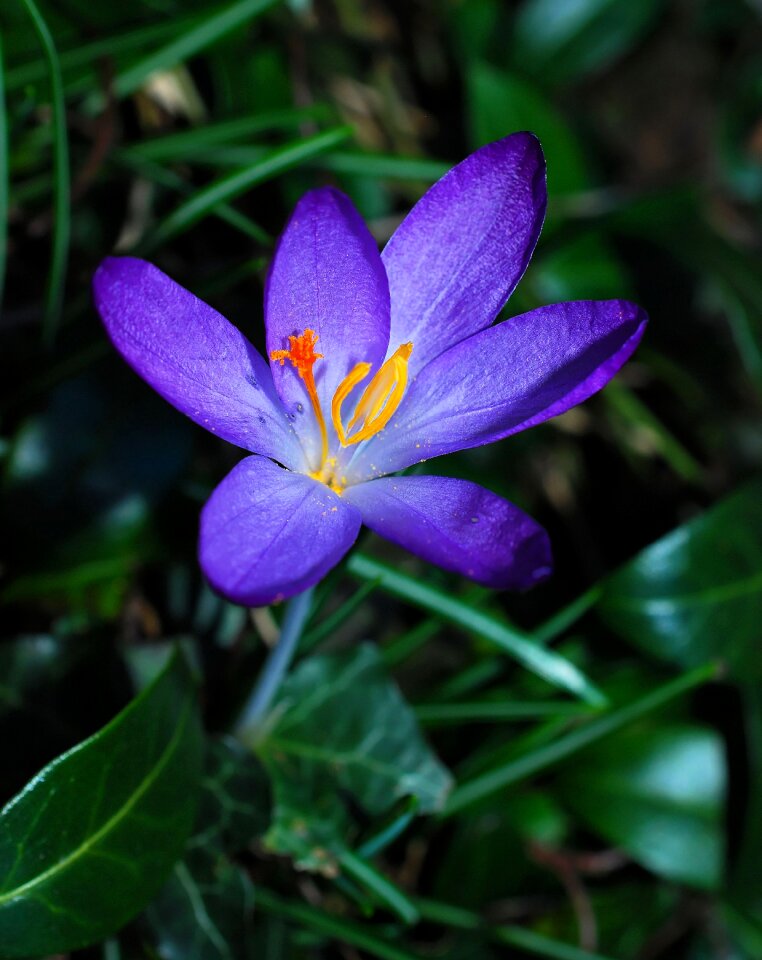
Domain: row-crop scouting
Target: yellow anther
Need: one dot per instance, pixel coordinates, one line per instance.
(380, 398)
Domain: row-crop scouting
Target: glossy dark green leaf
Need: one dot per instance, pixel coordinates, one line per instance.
(697, 593)
(339, 727)
(658, 794)
(92, 837)
(566, 41)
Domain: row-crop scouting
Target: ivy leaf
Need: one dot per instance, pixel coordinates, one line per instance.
(203, 912)
(204, 909)
(696, 594)
(658, 794)
(92, 837)
(342, 728)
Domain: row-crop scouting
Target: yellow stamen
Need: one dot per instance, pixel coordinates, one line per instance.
(302, 355)
(380, 399)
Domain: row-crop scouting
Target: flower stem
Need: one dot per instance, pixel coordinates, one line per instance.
(277, 663)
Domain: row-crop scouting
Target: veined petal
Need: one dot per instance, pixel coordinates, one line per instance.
(457, 256)
(327, 276)
(267, 534)
(505, 379)
(193, 357)
(457, 525)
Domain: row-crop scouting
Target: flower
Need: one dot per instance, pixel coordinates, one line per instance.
(376, 362)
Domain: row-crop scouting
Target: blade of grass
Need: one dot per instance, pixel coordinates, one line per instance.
(173, 181)
(530, 763)
(189, 43)
(384, 166)
(87, 54)
(204, 201)
(542, 946)
(630, 408)
(490, 711)
(405, 645)
(545, 663)
(567, 616)
(4, 177)
(327, 626)
(498, 751)
(336, 928)
(61, 189)
(359, 164)
(465, 682)
(177, 146)
(388, 834)
(383, 890)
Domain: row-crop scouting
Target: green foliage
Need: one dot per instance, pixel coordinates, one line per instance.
(697, 593)
(563, 41)
(545, 663)
(656, 792)
(341, 724)
(90, 839)
(202, 912)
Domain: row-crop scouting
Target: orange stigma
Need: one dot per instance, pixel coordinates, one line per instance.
(380, 399)
(301, 353)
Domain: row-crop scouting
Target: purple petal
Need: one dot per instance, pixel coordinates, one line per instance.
(327, 276)
(267, 534)
(459, 526)
(459, 253)
(193, 357)
(505, 379)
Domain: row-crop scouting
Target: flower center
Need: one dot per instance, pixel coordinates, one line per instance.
(374, 409)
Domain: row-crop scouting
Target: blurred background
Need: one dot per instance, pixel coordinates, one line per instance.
(184, 132)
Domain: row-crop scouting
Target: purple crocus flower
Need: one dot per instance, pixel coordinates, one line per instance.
(377, 362)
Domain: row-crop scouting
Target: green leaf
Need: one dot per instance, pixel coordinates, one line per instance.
(341, 725)
(92, 837)
(697, 593)
(235, 799)
(204, 909)
(561, 42)
(658, 794)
